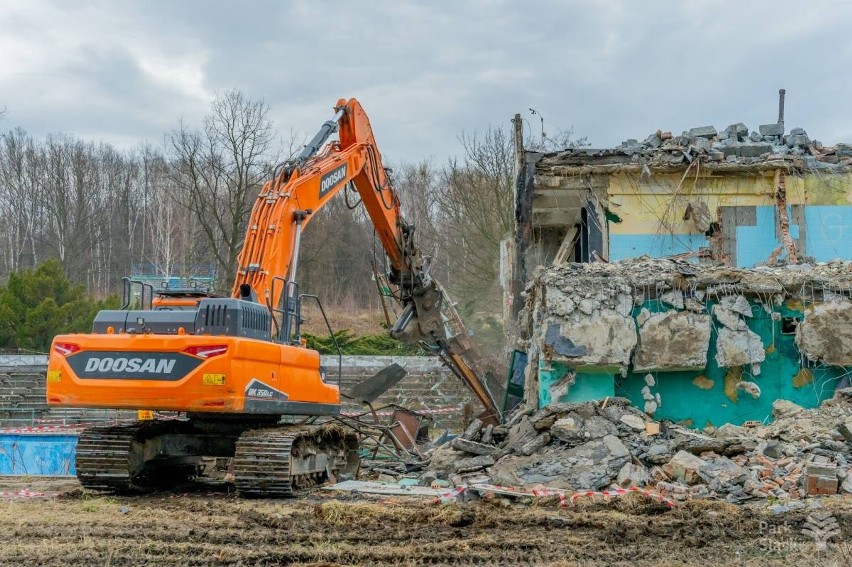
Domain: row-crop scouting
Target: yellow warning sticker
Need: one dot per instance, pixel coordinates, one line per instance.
(144, 415)
(54, 376)
(213, 380)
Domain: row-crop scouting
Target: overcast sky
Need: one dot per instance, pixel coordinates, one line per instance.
(127, 72)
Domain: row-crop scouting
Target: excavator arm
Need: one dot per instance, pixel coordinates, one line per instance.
(268, 264)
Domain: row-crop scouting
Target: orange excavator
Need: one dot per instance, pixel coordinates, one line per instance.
(234, 366)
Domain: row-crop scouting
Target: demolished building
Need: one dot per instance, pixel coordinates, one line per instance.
(702, 276)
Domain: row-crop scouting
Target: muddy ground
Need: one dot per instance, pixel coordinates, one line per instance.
(79, 528)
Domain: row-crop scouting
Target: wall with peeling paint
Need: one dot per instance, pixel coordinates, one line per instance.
(651, 209)
(709, 396)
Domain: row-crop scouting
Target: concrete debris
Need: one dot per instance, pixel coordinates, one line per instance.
(729, 149)
(736, 348)
(673, 340)
(826, 333)
(600, 445)
(665, 314)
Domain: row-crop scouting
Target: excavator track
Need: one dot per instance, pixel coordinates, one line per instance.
(278, 462)
(104, 457)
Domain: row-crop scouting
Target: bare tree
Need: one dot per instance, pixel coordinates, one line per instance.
(476, 213)
(218, 172)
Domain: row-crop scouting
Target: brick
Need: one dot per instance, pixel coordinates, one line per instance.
(820, 479)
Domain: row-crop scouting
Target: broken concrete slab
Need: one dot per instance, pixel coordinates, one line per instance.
(702, 132)
(737, 348)
(632, 474)
(737, 304)
(472, 447)
(684, 466)
(776, 129)
(472, 464)
(608, 339)
(729, 318)
(673, 341)
(825, 335)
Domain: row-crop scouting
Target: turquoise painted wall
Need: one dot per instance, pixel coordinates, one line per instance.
(683, 401)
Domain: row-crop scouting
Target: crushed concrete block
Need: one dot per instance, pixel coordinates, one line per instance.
(643, 316)
(785, 408)
(472, 464)
(720, 471)
(624, 305)
(776, 129)
(846, 486)
(798, 132)
(797, 140)
(560, 303)
(519, 434)
(845, 429)
(590, 466)
(444, 458)
(702, 132)
(536, 444)
(472, 447)
(684, 466)
(826, 333)
(738, 131)
(699, 144)
(488, 435)
(632, 474)
(588, 305)
(729, 318)
(573, 429)
(736, 348)
(674, 340)
(730, 431)
(737, 304)
(633, 421)
(653, 141)
(608, 337)
(673, 298)
(472, 431)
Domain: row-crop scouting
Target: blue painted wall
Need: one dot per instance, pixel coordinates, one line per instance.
(756, 243)
(828, 235)
(829, 232)
(622, 246)
(29, 454)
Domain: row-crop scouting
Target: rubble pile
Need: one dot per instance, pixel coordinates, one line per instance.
(609, 444)
(734, 145)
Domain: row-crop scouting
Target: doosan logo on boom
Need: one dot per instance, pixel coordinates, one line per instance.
(332, 178)
(149, 365)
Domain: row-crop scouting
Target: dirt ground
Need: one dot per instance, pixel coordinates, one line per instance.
(73, 527)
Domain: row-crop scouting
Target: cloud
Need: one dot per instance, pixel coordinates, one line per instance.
(425, 72)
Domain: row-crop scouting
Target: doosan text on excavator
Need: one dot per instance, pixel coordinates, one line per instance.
(233, 366)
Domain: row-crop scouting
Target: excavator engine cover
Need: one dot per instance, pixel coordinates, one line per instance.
(215, 316)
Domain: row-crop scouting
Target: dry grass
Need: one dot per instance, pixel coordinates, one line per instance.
(208, 529)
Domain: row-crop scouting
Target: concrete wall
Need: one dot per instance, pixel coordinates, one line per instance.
(428, 385)
(651, 211)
